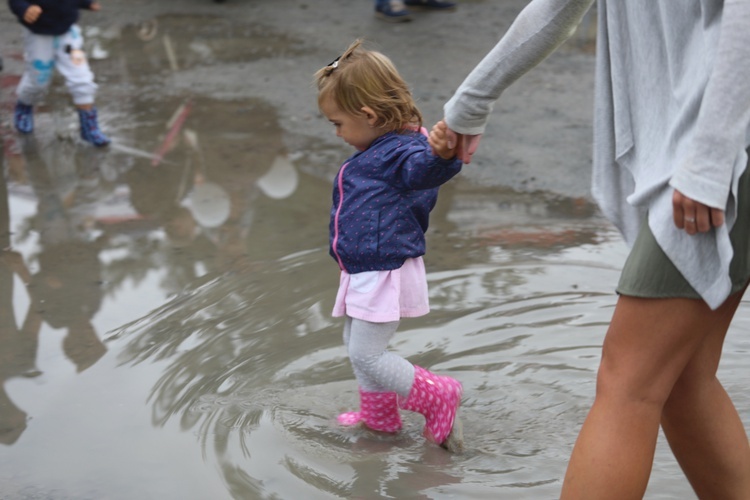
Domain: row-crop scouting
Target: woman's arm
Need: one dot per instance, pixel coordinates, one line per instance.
(537, 31)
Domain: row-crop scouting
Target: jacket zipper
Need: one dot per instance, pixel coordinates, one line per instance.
(340, 186)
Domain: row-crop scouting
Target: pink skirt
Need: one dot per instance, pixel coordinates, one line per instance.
(384, 296)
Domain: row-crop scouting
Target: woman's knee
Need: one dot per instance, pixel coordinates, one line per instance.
(623, 383)
(649, 346)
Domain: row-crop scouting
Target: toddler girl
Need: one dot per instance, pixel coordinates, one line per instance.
(382, 198)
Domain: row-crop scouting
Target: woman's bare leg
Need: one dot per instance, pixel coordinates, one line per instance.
(702, 425)
(649, 344)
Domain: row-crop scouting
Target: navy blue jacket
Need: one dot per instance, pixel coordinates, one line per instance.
(57, 15)
(382, 198)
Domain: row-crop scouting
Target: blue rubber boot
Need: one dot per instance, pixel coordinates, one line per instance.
(23, 118)
(392, 11)
(90, 131)
(434, 5)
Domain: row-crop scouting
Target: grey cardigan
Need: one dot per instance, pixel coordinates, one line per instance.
(672, 111)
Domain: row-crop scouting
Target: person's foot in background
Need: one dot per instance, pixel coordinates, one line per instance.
(392, 11)
(434, 5)
(397, 11)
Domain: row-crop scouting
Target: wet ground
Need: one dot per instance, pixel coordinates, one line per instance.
(165, 328)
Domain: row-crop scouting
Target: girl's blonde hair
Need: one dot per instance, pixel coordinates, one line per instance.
(362, 77)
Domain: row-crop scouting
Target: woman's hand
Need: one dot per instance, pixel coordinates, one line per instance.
(694, 217)
(465, 145)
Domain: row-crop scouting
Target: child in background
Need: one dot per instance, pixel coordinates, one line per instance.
(52, 38)
(382, 198)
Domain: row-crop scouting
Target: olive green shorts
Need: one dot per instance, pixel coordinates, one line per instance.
(648, 272)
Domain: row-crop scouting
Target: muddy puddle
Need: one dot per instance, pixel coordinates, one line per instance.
(165, 327)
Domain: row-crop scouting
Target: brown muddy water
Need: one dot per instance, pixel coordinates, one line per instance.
(165, 328)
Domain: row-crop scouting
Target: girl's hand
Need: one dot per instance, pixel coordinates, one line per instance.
(95, 6)
(32, 14)
(438, 139)
(694, 217)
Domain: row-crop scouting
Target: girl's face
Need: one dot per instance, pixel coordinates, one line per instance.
(357, 130)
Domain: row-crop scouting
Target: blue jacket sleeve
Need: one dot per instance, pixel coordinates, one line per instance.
(420, 169)
(409, 164)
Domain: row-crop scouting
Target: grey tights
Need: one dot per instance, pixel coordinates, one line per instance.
(376, 369)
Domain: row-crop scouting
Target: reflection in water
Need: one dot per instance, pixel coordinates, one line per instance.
(65, 292)
(67, 288)
(105, 219)
(18, 342)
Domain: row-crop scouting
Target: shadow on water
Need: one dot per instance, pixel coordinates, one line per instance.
(175, 338)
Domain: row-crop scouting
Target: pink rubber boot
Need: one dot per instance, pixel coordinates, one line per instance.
(437, 398)
(378, 411)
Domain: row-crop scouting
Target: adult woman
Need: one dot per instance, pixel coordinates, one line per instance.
(671, 130)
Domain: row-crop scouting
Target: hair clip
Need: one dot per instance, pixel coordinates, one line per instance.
(335, 63)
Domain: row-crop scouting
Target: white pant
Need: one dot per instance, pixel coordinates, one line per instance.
(43, 53)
